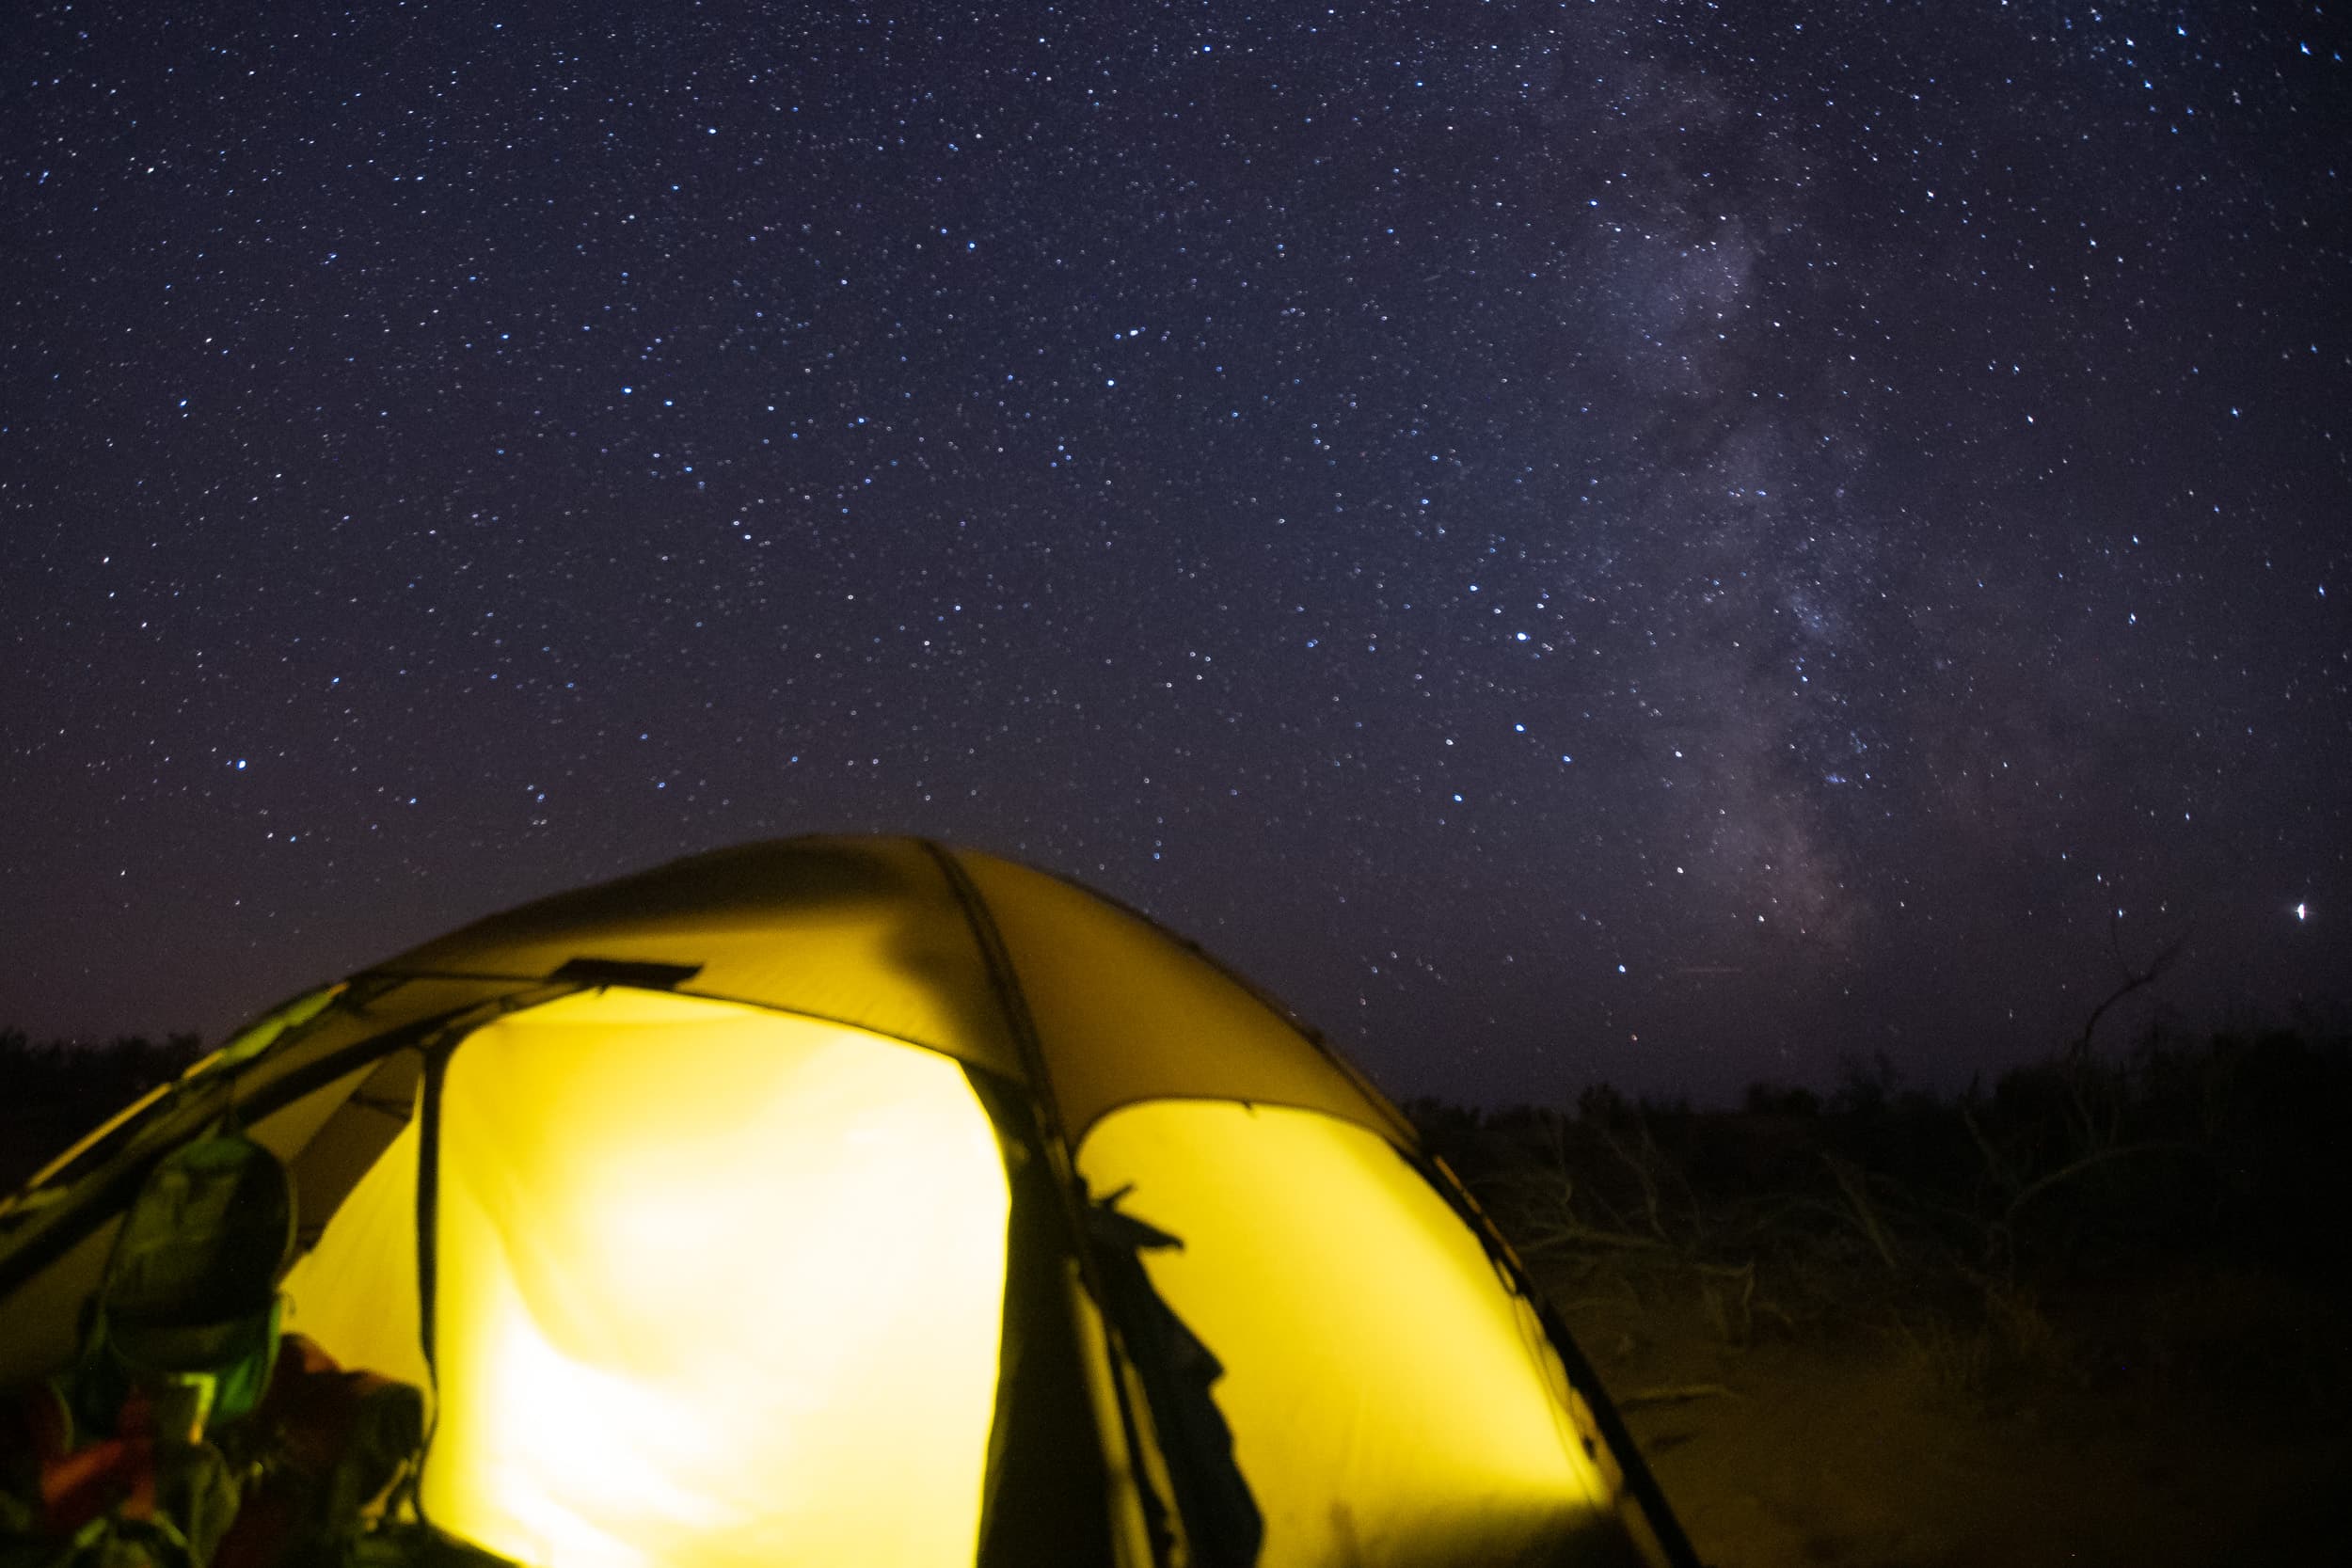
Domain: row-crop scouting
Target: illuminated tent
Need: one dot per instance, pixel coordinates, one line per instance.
(863, 1201)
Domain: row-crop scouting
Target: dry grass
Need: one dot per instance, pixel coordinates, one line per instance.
(2095, 1314)
(1973, 1230)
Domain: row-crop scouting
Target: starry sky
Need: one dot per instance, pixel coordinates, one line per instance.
(1664, 542)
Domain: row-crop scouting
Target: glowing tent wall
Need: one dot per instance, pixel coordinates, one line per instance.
(1392, 1400)
(717, 1287)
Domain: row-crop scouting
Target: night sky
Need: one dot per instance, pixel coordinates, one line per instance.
(1659, 542)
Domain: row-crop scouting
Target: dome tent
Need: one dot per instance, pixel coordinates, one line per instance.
(869, 1201)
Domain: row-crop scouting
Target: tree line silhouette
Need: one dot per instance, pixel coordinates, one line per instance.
(52, 1092)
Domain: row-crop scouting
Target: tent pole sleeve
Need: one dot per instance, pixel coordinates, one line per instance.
(1639, 1482)
(190, 1103)
(429, 1204)
(1052, 1136)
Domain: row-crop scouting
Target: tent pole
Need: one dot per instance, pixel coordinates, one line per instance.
(1054, 1141)
(1639, 1482)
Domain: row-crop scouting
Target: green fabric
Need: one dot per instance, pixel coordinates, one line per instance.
(191, 1284)
(196, 1501)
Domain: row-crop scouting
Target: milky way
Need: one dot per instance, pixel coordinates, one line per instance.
(1654, 542)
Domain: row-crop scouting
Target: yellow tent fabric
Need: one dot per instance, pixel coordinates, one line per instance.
(730, 1293)
(1426, 1421)
(754, 1209)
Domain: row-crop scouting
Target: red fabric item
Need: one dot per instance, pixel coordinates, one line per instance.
(306, 1420)
(299, 1435)
(78, 1483)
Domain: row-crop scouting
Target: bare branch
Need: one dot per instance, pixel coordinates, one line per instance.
(2133, 979)
(2099, 1158)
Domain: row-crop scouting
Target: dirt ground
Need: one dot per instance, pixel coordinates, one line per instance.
(1865, 1449)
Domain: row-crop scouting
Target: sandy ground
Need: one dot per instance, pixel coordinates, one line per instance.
(1853, 1450)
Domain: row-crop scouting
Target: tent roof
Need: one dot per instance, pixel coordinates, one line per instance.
(948, 948)
(1032, 978)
